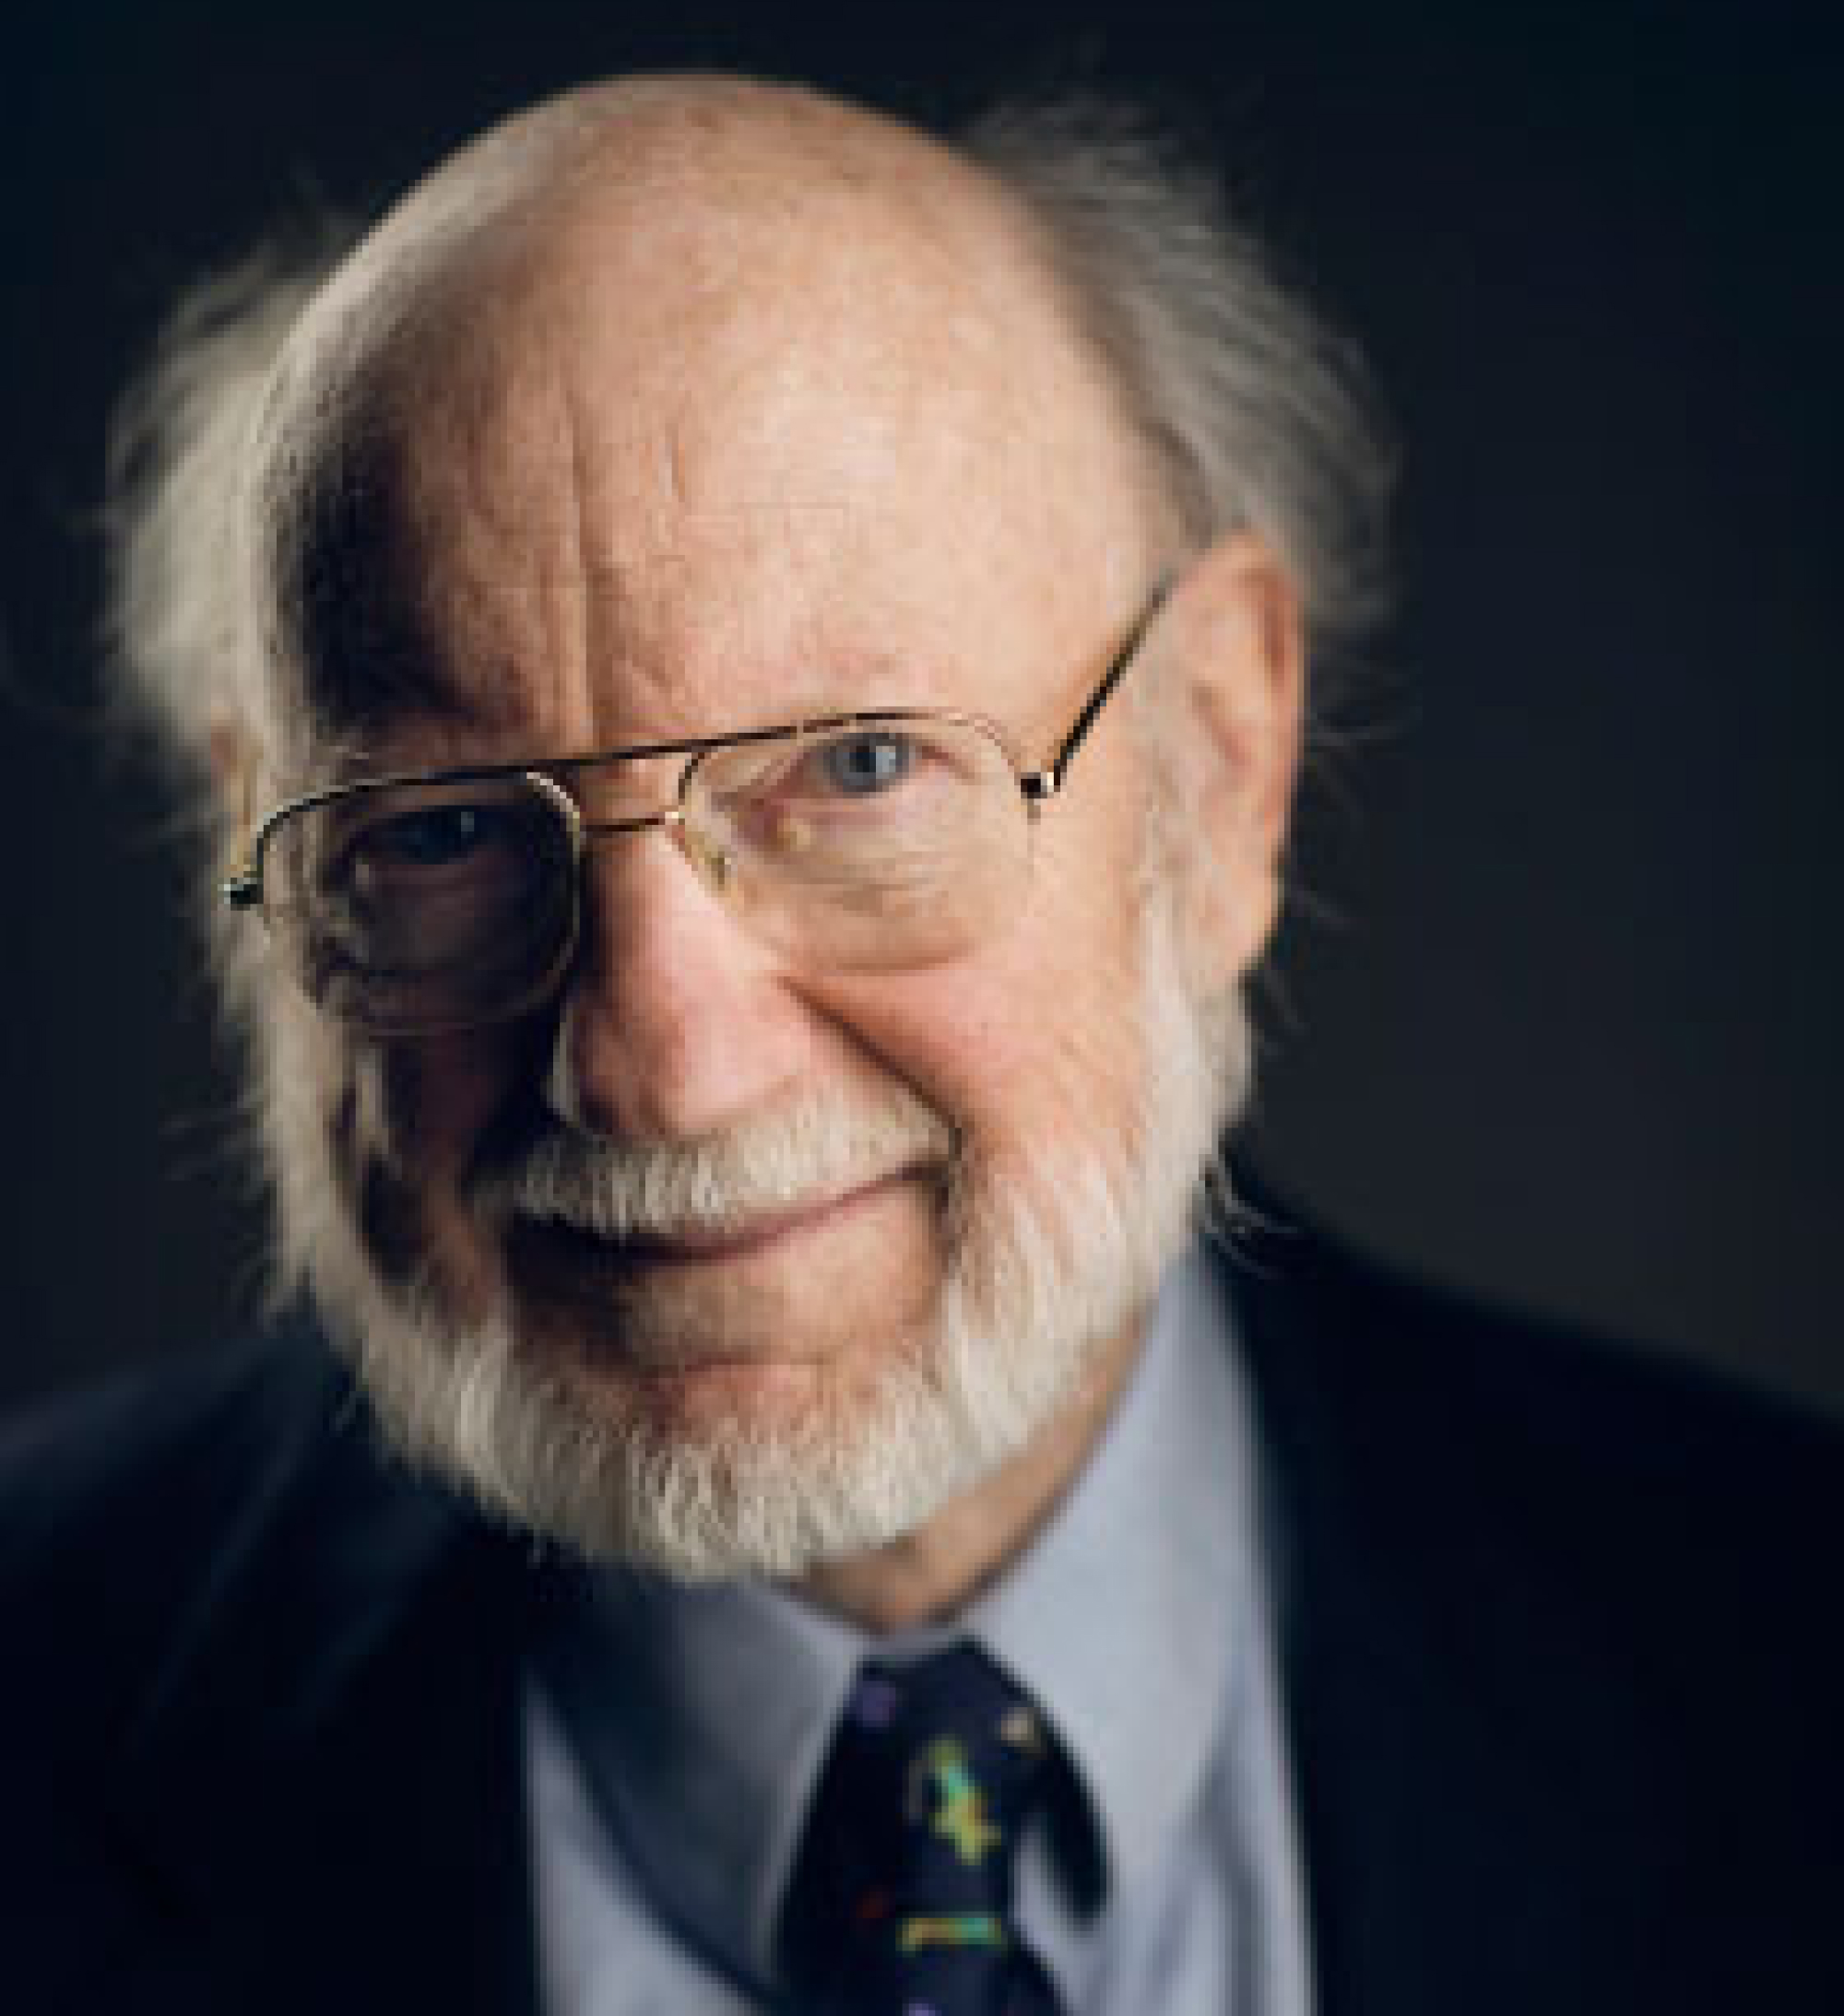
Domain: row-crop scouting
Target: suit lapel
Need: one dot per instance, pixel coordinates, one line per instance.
(322, 1801)
(1439, 1737)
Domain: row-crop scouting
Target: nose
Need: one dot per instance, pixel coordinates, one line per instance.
(675, 1021)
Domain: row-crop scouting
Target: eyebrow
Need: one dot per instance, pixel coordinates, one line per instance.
(400, 690)
(371, 692)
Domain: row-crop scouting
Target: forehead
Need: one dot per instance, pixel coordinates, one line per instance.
(691, 462)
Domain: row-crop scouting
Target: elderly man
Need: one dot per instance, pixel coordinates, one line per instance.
(751, 663)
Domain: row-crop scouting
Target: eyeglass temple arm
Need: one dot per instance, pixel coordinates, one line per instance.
(242, 888)
(1045, 783)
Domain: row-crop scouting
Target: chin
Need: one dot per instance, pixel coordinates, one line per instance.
(646, 1374)
(649, 1446)
(701, 1471)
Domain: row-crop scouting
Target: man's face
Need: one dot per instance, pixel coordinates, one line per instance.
(675, 485)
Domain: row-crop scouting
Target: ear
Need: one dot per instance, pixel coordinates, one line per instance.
(228, 745)
(231, 754)
(1237, 658)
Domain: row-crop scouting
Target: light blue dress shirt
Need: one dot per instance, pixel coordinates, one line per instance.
(675, 1735)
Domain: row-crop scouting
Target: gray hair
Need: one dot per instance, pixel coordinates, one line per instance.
(1258, 416)
(1255, 414)
(179, 617)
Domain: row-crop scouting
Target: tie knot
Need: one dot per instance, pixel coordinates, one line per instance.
(936, 1766)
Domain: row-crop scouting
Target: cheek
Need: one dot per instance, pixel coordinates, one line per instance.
(1036, 1041)
(450, 1099)
(440, 1104)
(442, 1096)
(411, 1122)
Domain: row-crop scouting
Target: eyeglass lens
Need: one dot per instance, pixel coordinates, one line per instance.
(423, 905)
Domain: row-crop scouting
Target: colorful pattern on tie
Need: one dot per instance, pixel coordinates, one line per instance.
(903, 1903)
(954, 1799)
(972, 1928)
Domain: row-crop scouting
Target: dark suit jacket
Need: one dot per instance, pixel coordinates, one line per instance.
(1563, 1657)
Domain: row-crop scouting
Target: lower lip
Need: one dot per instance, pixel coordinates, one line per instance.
(618, 1259)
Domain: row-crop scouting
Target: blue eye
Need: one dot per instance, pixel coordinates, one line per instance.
(431, 843)
(437, 837)
(860, 765)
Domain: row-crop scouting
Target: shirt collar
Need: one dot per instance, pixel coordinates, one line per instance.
(716, 1705)
(1120, 1619)
(701, 1714)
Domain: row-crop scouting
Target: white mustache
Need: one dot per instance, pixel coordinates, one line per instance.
(777, 1163)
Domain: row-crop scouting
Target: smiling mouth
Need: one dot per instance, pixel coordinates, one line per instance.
(552, 1245)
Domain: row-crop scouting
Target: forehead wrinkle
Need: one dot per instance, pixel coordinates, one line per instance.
(743, 262)
(586, 624)
(434, 552)
(750, 346)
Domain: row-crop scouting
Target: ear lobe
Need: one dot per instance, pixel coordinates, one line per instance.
(1238, 658)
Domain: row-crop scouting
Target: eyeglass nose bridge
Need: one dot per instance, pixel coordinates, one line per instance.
(711, 860)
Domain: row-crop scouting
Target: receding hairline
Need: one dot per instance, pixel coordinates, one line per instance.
(692, 121)
(614, 154)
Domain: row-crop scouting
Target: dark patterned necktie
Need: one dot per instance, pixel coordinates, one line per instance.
(902, 1904)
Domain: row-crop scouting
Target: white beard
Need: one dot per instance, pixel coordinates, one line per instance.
(1043, 1268)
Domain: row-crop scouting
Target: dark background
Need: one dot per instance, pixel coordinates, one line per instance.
(1560, 1014)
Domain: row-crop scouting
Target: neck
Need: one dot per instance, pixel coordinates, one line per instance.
(931, 1574)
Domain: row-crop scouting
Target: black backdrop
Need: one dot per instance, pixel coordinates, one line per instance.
(1561, 1017)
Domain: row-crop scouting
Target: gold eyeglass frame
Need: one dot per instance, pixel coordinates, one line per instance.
(242, 888)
